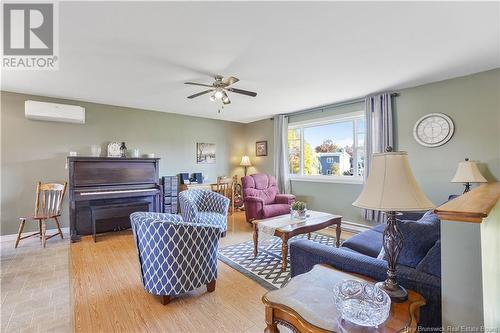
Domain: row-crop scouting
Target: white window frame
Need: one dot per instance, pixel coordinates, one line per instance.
(325, 121)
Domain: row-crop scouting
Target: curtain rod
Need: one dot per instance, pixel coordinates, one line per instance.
(334, 105)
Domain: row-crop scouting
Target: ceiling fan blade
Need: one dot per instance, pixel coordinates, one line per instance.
(243, 92)
(198, 84)
(230, 80)
(200, 93)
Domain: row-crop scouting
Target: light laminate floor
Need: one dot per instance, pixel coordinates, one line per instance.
(35, 286)
(95, 287)
(108, 295)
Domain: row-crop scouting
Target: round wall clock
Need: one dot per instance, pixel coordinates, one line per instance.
(433, 130)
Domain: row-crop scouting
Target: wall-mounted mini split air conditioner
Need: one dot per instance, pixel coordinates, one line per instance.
(54, 112)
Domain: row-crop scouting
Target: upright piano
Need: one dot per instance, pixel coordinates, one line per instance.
(125, 184)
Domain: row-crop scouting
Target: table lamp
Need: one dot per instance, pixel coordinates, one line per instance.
(391, 188)
(467, 173)
(245, 162)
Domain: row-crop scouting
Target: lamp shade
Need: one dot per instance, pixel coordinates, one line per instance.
(468, 172)
(391, 186)
(245, 161)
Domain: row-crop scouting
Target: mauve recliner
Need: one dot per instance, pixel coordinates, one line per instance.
(260, 194)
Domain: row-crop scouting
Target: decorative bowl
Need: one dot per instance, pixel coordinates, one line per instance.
(361, 303)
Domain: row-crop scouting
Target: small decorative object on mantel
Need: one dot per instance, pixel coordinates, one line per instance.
(95, 150)
(361, 303)
(205, 153)
(261, 148)
(433, 130)
(467, 173)
(114, 149)
(299, 209)
(123, 150)
(135, 153)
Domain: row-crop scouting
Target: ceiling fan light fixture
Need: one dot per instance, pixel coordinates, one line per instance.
(218, 90)
(219, 94)
(225, 98)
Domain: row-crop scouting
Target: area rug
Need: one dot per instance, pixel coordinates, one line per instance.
(265, 269)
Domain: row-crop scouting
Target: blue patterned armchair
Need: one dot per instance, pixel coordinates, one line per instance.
(206, 207)
(175, 256)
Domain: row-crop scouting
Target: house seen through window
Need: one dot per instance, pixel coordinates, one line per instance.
(330, 147)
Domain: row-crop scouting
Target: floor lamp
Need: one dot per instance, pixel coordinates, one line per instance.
(391, 188)
(245, 162)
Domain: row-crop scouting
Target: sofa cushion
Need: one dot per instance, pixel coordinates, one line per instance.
(418, 238)
(431, 264)
(379, 228)
(275, 210)
(367, 242)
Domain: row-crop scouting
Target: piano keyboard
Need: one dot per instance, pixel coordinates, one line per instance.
(116, 192)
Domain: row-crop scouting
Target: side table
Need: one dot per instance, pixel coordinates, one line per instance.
(306, 304)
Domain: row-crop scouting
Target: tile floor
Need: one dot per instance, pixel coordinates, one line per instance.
(35, 286)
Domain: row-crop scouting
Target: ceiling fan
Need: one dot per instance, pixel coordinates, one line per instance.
(219, 89)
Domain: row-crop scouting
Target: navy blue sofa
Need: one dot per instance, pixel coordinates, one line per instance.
(420, 272)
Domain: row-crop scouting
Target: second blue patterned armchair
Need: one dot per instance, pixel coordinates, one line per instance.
(206, 207)
(175, 256)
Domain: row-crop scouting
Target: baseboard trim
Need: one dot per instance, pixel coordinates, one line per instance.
(12, 237)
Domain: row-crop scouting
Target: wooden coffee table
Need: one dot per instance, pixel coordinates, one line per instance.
(316, 221)
(306, 304)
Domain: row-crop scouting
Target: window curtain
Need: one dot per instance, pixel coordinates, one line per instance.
(281, 153)
(379, 135)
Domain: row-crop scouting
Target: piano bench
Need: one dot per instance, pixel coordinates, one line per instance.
(107, 211)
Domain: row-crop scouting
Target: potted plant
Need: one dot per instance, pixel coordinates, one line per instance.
(299, 208)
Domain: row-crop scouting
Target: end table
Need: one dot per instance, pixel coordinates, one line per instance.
(306, 304)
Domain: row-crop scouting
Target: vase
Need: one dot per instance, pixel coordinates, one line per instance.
(361, 303)
(95, 150)
(300, 214)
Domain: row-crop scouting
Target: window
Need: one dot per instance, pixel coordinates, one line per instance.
(330, 149)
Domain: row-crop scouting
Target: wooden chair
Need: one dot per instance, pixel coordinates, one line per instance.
(226, 187)
(49, 198)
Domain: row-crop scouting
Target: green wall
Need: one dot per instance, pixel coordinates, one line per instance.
(260, 131)
(36, 150)
(473, 104)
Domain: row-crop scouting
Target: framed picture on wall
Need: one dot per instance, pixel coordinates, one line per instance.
(261, 148)
(205, 153)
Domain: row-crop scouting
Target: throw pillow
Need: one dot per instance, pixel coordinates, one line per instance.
(418, 238)
(431, 264)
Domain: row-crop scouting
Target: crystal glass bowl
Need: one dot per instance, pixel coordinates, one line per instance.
(361, 303)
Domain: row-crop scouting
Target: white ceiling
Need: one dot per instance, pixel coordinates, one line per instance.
(295, 55)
